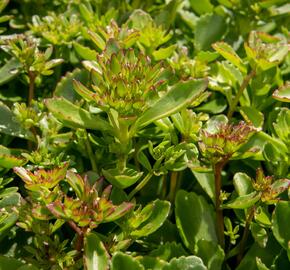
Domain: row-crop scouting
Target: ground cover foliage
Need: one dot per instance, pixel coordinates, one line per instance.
(144, 134)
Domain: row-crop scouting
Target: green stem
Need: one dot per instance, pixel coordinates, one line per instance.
(124, 139)
(246, 233)
(140, 185)
(90, 152)
(240, 92)
(218, 167)
(32, 78)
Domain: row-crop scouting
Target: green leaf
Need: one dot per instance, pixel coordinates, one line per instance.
(262, 216)
(282, 126)
(201, 6)
(8, 160)
(215, 106)
(99, 42)
(167, 14)
(206, 181)
(3, 4)
(181, 95)
(158, 214)
(152, 263)
(139, 19)
(9, 70)
(260, 234)
(228, 53)
(260, 265)
(76, 182)
(243, 184)
(75, 117)
(257, 142)
(194, 219)
(280, 223)
(85, 52)
(10, 200)
(122, 179)
(244, 201)
(168, 251)
(83, 91)
(212, 125)
(10, 126)
(209, 28)
(143, 160)
(163, 53)
(7, 220)
(266, 254)
(96, 256)
(27, 267)
(119, 211)
(211, 254)
(64, 88)
(185, 263)
(9, 263)
(252, 116)
(279, 186)
(122, 261)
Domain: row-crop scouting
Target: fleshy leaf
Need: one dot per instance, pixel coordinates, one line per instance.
(85, 52)
(96, 256)
(122, 261)
(65, 85)
(244, 201)
(10, 126)
(228, 53)
(123, 179)
(282, 93)
(209, 28)
(280, 222)
(156, 217)
(9, 70)
(180, 96)
(73, 116)
(194, 218)
(188, 263)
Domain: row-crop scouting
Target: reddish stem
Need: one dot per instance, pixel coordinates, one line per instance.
(218, 167)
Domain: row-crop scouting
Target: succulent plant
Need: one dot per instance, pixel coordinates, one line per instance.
(57, 29)
(39, 179)
(124, 82)
(25, 49)
(225, 141)
(91, 207)
(269, 188)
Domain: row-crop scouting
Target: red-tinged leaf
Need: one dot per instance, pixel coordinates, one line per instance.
(119, 211)
(83, 91)
(228, 53)
(107, 192)
(282, 93)
(56, 209)
(25, 175)
(99, 42)
(279, 186)
(76, 182)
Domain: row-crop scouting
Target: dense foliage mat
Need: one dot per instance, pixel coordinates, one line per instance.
(144, 134)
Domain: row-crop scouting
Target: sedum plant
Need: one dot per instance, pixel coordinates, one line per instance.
(152, 135)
